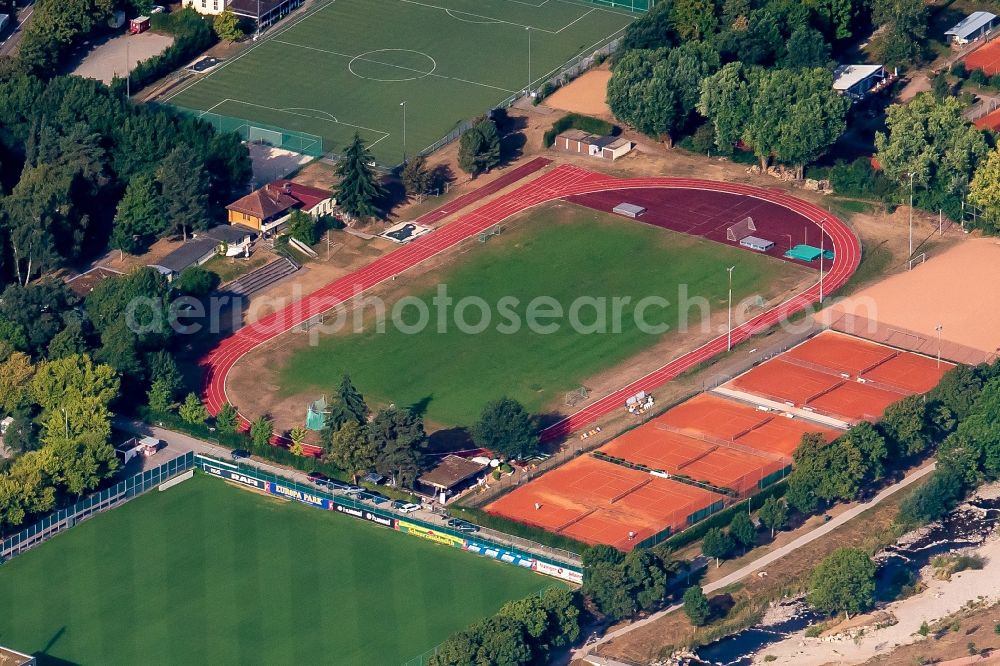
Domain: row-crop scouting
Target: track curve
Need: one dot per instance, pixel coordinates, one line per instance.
(564, 181)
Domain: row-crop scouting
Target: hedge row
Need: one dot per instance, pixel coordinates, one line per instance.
(192, 33)
(577, 121)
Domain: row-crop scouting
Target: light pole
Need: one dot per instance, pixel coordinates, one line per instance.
(729, 335)
(528, 28)
(938, 329)
(822, 234)
(128, 73)
(910, 256)
(403, 104)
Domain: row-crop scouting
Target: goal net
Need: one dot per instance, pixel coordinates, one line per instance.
(741, 229)
(576, 396)
(264, 136)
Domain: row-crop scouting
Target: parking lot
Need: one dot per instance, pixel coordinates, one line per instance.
(119, 55)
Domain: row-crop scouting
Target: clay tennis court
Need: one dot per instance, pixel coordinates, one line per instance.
(986, 58)
(841, 376)
(599, 502)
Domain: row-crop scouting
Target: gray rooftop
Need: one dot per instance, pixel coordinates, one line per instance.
(971, 24)
(187, 255)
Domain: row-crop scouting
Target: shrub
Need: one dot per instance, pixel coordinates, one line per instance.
(576, 121)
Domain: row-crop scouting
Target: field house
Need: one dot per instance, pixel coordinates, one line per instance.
(403, 74)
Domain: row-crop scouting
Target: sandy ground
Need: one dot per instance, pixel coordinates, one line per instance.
(940, 600)
(917, 301)
(108, 60)
(274, 163)
(585, 94)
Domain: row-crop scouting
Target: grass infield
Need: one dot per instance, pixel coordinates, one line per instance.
(561, 251)
(343, 66)
(208, 574)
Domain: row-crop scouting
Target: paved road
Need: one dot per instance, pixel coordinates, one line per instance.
(770, 557)
(9, 46)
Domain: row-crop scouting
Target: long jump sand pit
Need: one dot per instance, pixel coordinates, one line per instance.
(952, 289)
(586, 94)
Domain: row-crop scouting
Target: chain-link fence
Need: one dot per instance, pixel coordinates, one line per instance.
(254, 131)
(108, 498)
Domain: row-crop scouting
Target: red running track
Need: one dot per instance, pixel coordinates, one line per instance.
(564, 181)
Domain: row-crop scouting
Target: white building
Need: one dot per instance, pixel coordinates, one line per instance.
(207, 6)
(974, 26)
(858, 81)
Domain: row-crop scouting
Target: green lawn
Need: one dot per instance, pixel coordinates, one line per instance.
(345, 66)
(208, 574)
(562, 251)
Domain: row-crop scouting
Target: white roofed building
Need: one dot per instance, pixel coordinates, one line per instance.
(974, 26)
(857, 81)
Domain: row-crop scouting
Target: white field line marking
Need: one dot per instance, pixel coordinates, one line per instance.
(306, 115)
(446, 10)
(387, 64)
(579, 18)
(280, 31)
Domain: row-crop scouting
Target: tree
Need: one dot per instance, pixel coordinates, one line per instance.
(844, 582)
(227, 26)
(506, 428)
(932, 140)
(298, 437)
(416, 176)
(904, 24)
(74, 379)
(359, 187)
(743, 530)
(838, 16)
(352, 450)
(904, 426)
(694, 19)
(656, 91)
(716, 544)
(192, 410)
(648, 577)
(862, 454)
(608, 587)
(160, 397)
(932, 500)
(304, 227)
(958, 390)
(726, 101)
(806, 49)
(810, 119)
(138, 217)
(227, 420)
(261, 431)
(809, 474)
(69, 341)
(20, 435)
(479, 148)
(984, 190)
(196, 281)
(15, 382)
(351, 400)
(399, 440)
(696, 606)
(773, 514)
(184, 190)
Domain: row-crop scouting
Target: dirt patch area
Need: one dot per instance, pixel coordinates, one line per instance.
(914, 303)
(120, 55)
(586, 94)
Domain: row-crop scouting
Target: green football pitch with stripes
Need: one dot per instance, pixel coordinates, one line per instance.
(204, 573)
(345, 66)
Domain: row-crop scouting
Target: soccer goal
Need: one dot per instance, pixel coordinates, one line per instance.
(264, 136)
(489, 233)
(576, 396)
(741, 230)
(917, 260)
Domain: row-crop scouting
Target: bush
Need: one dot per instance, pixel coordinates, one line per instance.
(977, 77)
(860, 179)
(959, 70)
(576, 121)
(515, 528)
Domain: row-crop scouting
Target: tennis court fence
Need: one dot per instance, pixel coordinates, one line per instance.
(90, 506)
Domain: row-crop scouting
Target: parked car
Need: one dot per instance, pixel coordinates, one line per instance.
(375, 498)
(462, 525)
(158, 9)
(240, 454)
(353, 490)
(319, 478)
(408, 507)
